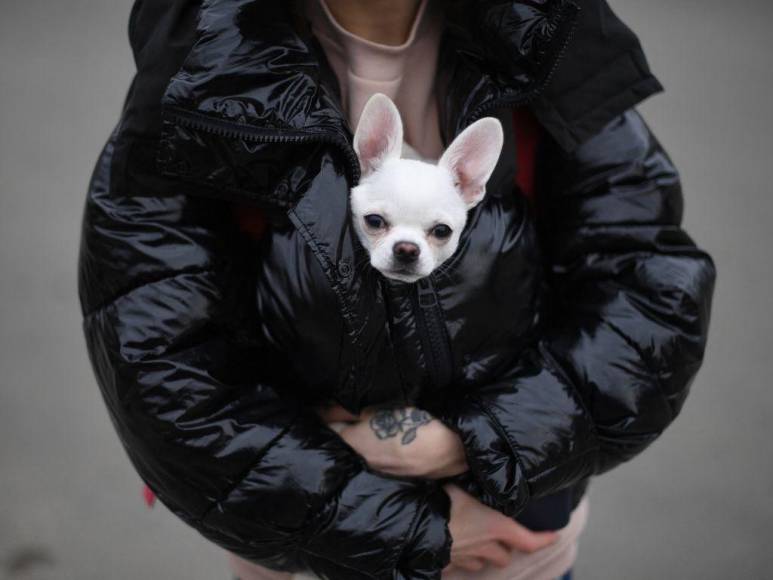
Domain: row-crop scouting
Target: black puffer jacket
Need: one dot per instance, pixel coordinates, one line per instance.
(557, 343)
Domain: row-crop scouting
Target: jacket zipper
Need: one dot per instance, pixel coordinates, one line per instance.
(432, 333)
(429, 317)
(232, 130)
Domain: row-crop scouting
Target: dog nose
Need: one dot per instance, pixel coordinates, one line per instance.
(406, 252)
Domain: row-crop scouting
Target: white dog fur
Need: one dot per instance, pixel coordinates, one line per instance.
(407, 212)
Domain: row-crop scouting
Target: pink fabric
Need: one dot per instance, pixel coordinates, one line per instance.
(148, 496)
(406, 74)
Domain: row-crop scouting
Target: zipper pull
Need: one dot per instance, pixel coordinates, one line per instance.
(426, 292)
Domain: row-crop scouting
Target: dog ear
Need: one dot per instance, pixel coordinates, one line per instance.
(379, 134)
(472, 156)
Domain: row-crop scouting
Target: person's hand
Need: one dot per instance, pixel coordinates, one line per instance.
(404, 441)
(482, 535)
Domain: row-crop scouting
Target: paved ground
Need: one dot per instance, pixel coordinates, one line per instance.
(698, 504)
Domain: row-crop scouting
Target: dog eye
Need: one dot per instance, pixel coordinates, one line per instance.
(375, 221)
(441, 231)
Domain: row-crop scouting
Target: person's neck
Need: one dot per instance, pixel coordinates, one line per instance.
(382, 21)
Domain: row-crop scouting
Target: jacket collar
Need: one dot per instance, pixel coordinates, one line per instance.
(499, 54)
(255, 67)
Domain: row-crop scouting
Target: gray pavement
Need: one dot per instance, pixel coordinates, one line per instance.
(697, 504)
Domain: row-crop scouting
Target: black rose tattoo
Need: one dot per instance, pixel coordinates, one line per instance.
(389, 422)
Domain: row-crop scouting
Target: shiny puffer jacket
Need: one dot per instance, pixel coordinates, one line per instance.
(559, 341)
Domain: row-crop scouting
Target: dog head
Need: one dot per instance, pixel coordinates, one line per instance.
(409, 213)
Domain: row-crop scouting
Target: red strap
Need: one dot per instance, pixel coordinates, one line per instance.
(251, 220)
(148, 496)
(527, 135)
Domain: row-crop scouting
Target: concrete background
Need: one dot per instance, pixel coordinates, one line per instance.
(698, 504)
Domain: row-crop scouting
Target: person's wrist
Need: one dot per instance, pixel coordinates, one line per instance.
(442, 453)
(447, 471)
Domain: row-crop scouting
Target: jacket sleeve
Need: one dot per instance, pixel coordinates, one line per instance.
(168, 301)
(624, 330)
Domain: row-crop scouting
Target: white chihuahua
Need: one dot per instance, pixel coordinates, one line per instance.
(409, 213)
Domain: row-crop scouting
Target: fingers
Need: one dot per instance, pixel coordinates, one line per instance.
(470, 564)
(338, 426)
(348, 434)
(496, 553)
(535, 541)
(475, 558)
(516, 536)
(494, 525)
(336, 413)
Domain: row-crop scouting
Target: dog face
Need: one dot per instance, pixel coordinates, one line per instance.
(408, 213)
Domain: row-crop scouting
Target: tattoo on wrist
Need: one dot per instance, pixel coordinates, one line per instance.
(391, 421)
